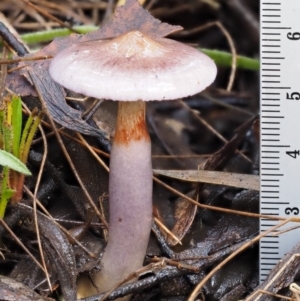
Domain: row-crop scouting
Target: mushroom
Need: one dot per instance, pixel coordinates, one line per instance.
(131, 68)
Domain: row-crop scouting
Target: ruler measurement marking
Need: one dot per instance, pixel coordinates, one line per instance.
(280, 149)
(273, 57)
(270, 134)
(269, 242)
(267, 116)
(269, 247)
(268, 145)
(272, 175)
(286, 88)
(271, 22)
(277, 28)
(274, 140)
(270, 203)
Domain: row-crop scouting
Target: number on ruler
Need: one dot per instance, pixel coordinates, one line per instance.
(294, 96)
(293, 154)
(290, 210)
(294, 36)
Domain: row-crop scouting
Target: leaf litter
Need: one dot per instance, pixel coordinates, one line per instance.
(216, 244)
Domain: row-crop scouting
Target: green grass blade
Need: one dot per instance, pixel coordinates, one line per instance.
(30, 136)
(25, 132)
(4, 186)
(16, 124)
(49, 35)
(10, 161)
(7, 136)
(223, 58)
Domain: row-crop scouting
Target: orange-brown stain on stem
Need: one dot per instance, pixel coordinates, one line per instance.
(131, 125)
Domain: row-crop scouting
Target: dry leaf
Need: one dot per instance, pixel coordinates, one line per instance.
(13, 290)
(213, 177)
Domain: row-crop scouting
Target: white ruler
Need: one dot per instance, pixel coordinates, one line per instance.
(280, 125)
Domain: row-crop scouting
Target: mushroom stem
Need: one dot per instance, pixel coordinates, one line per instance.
(130, 194)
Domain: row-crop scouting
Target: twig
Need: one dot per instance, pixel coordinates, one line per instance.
(47, 15)
(93, 152)
(39, 177)
(177, 264)
(26, 59)
(199, 286)
(11, 40)
(162, 226)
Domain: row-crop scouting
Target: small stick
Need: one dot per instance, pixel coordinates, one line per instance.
(25, 59)
(47, 15)
(178, 265)
(12, 41)
(161, 225)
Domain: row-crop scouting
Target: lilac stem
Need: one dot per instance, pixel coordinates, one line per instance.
(130, 197)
